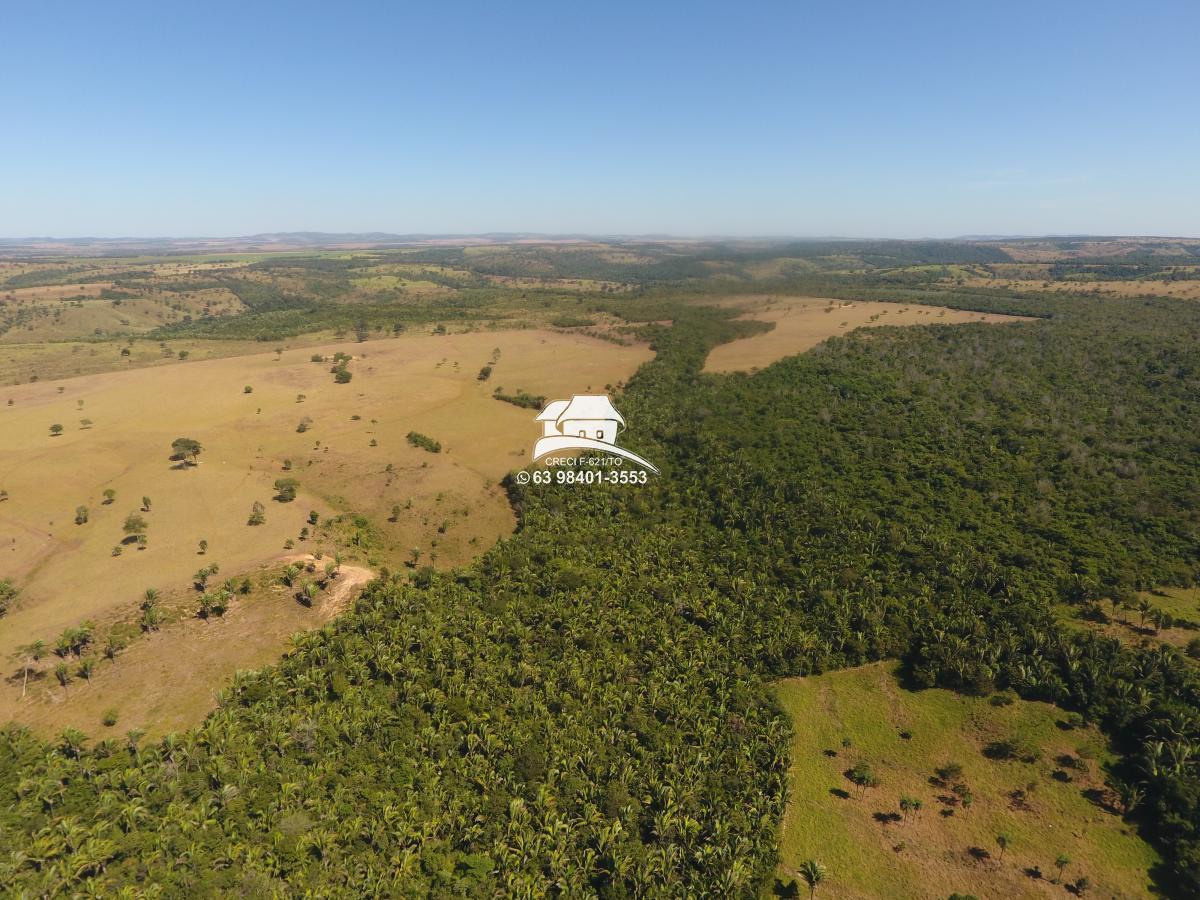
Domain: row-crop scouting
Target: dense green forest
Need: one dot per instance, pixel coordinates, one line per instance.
(584, 710)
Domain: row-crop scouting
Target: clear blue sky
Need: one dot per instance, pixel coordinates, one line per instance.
(893, 119)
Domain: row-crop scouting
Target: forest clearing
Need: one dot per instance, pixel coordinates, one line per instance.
(801, 323)
(284, 446)
(932, 793)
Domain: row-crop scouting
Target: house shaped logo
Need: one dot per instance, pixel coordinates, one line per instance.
(585, 422)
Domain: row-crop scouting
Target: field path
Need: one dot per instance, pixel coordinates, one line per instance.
(171, 679)
(349, 581)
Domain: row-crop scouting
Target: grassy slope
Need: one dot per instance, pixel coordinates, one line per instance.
(867, 706)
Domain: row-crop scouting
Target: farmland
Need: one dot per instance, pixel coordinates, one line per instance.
(317, 638)
(260, 418)
(800, 323)
(1047, 797)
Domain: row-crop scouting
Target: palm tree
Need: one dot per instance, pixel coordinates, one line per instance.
(132, 737)
(71, 742)
(30, 654)
(813, 874)
(1003, 839)
(112, 647)
(1061, 862)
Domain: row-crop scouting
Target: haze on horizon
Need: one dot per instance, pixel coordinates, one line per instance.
(134, 119)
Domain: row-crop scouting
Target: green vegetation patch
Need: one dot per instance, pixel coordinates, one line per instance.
(947, 791)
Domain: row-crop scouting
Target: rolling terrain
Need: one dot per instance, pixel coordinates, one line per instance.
(871, 552)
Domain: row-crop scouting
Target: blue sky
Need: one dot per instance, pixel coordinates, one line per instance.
(752, 118)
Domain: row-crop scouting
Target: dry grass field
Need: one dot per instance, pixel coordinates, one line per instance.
(1051, 802)
(351, 457)
(1184, 290)
(170, 679)
(800, 323)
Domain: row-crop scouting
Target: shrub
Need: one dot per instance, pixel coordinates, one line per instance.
(285, 489)
(8, 593)
(424, 442)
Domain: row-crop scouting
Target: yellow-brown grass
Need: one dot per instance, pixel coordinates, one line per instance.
(800, 323)
(451, 504)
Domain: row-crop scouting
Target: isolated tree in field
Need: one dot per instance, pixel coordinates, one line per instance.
(203, 547)
(113, 647)
(150, 598)
(8, 593)
(1003, 840)
(81, 515)
(63, 673)
(56, 430)
(145, 504)
(257, 514)
(135, 526)
(109, 496)
(289, 575)
(151, 619)
(813, 874)
(863, 777)
(1061, 862)
(31, 655)
(86, 667)
(285, 489)
(313, 517)
(185, 450)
